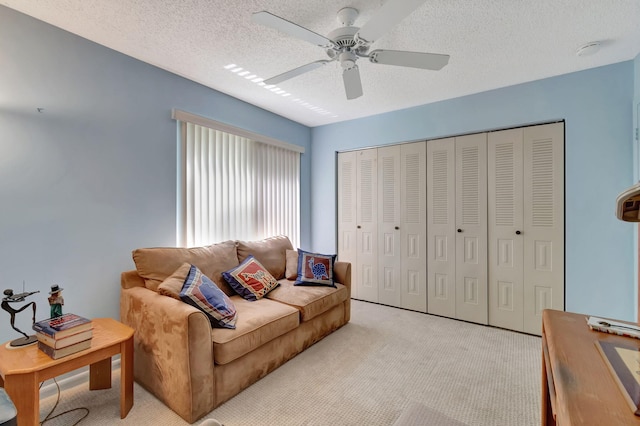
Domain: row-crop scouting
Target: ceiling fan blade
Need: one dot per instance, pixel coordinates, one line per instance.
(427, 61)
(352, 83)
(388, 16)
(289, 28)
(295, 72)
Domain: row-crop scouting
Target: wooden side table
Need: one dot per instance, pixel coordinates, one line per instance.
(577, 386)
(23, 369)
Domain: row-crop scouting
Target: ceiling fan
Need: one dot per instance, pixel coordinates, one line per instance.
(347, 44)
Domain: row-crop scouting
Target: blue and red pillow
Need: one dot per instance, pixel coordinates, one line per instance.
(200, 292)
(315, 269)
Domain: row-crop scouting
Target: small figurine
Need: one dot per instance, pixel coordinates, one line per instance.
(56, 301)
(10, 297)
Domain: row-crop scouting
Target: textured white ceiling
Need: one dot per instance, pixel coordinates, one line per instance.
(492, 43)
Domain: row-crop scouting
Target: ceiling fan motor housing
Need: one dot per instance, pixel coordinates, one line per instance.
(343, 38)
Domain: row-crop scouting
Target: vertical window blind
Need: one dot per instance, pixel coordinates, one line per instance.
(233, 187)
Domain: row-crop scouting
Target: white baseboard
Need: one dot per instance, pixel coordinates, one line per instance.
(71, 379)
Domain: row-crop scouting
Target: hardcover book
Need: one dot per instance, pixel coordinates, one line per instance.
(65, 341)
(62, 352)
(62, 326)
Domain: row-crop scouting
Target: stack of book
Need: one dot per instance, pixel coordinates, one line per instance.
(64, 335)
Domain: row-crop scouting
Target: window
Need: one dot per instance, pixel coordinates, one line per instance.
(234, 185)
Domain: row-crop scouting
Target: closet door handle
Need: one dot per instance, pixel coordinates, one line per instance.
(459, 230)
(397, 227)
(359, 227)
(518, 232)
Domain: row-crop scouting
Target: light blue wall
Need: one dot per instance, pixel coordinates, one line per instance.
(597, 108)
(94, 176)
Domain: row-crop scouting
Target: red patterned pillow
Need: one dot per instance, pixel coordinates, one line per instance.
(250, 279)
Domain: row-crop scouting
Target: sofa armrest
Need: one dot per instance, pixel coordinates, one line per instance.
(342, 272)
(130, 279)
(173, 350)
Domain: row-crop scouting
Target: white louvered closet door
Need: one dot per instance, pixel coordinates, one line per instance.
(367, 225)
(441, 231)
(471, 228)
(413, 226)
(347, 195)
(389, 260)
(543, 222)
(526, 225)
(506, 223)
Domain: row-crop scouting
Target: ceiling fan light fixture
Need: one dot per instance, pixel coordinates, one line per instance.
(588, 49)
(347, 59)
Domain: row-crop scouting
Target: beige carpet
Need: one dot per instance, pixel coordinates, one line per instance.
(370, 372)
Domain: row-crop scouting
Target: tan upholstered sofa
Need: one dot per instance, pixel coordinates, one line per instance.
(193, 367)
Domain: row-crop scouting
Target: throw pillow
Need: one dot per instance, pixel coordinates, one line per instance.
(315, 269)
(200, 292)
(172, 285)
(291, 268)
(250, 279)
(270, 252)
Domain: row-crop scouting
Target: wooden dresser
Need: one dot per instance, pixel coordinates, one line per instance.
(577, 386)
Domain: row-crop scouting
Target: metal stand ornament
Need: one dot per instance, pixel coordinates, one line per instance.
(9, 298)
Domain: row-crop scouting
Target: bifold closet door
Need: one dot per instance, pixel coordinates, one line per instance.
(413, 226)
(367, 224)
(347, 196)
(506, 223)
(471, 228)
(441, 231)
(402, 226)
(526, 225)
(389, 255)
(543, 222)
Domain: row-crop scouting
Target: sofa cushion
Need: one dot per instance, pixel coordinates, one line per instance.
(315, 269)
(258, 323)
(157, 263)
(173, 284)
(310, 301)
(291, 267)
(200, 292)
(271, 252)
(250, 279)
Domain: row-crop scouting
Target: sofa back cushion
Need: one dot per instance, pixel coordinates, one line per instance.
(157, 263)
(270, 252)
